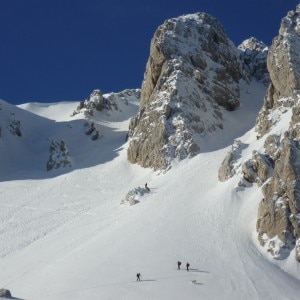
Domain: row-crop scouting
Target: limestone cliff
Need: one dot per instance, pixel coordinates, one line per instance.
(192, 75)
(254, 55)
(274, 165)
(284, 68)
(279, 211)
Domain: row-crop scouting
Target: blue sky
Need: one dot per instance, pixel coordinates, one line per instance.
(60, 50)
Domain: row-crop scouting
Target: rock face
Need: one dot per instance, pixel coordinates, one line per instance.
(192, 75)
(284, 68)
(258, 168)
(134, 196)
(276, 167)
(97, 102)
(279, 212)
(9, 122)
(59, 155)
(254, 54)
(15, 127)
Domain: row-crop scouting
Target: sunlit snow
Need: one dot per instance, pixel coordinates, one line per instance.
(69, 234)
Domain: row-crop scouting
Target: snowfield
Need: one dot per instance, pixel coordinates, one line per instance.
(64, 234)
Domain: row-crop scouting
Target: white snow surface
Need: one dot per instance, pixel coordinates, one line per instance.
(64, 234)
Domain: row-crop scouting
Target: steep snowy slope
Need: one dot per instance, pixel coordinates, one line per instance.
(46, 136)
(68, 237)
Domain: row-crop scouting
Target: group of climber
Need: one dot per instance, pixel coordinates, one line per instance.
(138, 275)
(179, 264)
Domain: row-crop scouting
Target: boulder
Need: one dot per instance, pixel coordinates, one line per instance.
(229, 164)
(284, 68)
(258, 168)
(59, 155)
(279, 211)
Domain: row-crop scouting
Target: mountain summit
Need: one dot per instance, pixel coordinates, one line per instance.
(254, 54)
(192, 75)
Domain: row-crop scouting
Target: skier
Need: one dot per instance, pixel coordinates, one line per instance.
(187, 266)
(179, 264)
(146, 187)
(138, 277)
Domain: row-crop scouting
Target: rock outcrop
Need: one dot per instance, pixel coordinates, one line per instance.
(15, 126)
(98, 101)
(192, 75)
(254, 55)
(59, 155)
(92, 131)
(284, 68)
(279, 212)
(276, 167)
(257, 169)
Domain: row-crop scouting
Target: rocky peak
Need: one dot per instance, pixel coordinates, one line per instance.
(278, 222)
(192, 75)
(253, 45)
(254, 53)
(284, 69)
(195, 39)
(275, 167)
(97, 101)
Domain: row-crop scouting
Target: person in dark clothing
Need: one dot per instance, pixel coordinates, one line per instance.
(179, 264)
(138, 277)
(146, 187)
(187, 266)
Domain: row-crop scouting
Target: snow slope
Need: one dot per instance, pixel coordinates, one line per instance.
(65, 235)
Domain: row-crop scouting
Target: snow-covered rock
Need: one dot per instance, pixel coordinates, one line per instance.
(134, 196)
(98, 101)
(254, 54)
(59, 155)
(9, 122)
(257, 169)
(192, 75)
(284, 68)
(279, 210)
(274, 164)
